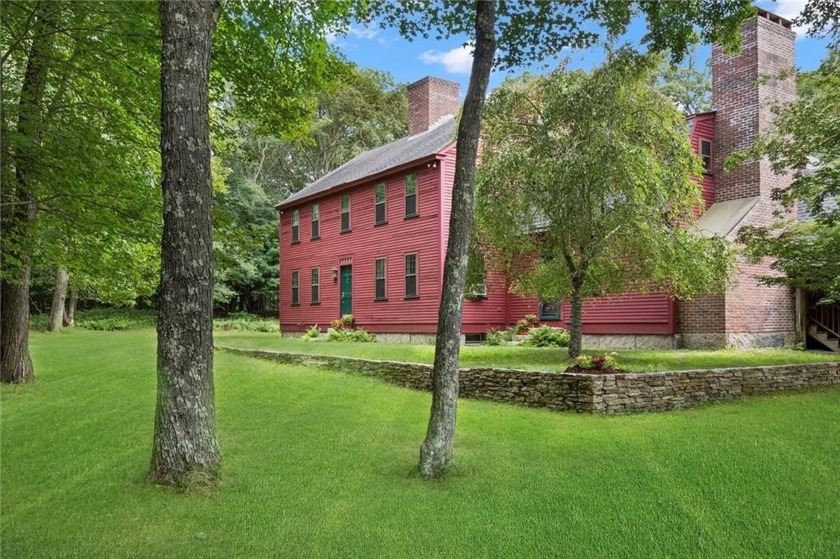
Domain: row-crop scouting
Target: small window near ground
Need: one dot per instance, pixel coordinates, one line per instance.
(316, 285)
(296, 288)
(296, 226)
(316, 221)
(381, 215)
(345, 212)
(706, 154)
(411, 275)
(410, 195)
(549, 309)
(380, 293)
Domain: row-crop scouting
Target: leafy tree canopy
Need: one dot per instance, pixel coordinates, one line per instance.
(595, 173)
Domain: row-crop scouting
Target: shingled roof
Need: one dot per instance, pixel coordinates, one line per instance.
(375, 161)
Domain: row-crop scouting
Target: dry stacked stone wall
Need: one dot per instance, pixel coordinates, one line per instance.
(601, 394)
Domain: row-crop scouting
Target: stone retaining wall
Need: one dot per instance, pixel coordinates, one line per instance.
(600, 394)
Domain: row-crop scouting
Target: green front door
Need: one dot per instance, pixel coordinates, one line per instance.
(346, 290)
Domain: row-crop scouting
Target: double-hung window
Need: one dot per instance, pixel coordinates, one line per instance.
(379, 204)
(316, 221)
(411, 276)
(345, 212)
(380, 293)
(549, 309)
(410, 195)
(706, 155)
(296, 288)
(296, 226)
(316, 286)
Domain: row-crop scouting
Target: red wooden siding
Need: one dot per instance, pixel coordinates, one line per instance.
(361, 247)
(704, 128)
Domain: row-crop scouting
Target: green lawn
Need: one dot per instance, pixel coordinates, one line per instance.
(319, 464)
(518, 357)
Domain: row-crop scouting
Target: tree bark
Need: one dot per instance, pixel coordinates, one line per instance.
(436, 451)
(70, 311)
(186, 450)
(576, 319)
(19, 205)
(59, 295)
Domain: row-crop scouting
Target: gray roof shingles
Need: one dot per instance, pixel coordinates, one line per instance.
(394, 154)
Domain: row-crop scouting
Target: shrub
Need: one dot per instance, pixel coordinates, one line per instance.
(312, 334)
(112, 319)
(246, 322)
(346, 335)
(547, 336)
(597, 362)
(494, 337)
(521, 327)
(531, 319)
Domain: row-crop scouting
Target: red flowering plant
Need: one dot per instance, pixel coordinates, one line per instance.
(597, 362)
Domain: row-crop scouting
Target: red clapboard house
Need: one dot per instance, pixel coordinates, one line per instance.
(369, 238)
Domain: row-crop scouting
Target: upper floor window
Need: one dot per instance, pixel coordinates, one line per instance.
(296, 288)
(380, 293)
(345, 212)
(316, 285)
(411, 276)
(316, 221)
(379, 203)
(410, 195)
(296, 226)
(706, 154)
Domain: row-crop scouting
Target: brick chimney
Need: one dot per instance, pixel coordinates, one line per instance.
(429, 100)
(744, 88)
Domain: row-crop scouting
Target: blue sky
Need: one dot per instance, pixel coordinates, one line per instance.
(384, 49)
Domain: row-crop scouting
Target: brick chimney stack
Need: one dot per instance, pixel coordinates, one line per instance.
(429, 100)
(745, 86)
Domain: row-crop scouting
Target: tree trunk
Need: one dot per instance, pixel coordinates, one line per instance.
(59, 295)
(436, 452)
(576, 319)
(186, 450)
(70, 311)
(20, 207)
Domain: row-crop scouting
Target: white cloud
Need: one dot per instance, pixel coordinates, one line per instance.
(455, 61)
(788, 9)
(367, 32)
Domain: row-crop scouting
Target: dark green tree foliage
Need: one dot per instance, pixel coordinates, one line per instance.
(594, 172)
(78, 143)
(823, 17)
(805, 139)
(518, 34)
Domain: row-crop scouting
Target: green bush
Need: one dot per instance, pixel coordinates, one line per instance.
(494, 337)
(111, 319)
(312, 334)
(246, 322)
(39, 322)
(342, 335)
(546, 336)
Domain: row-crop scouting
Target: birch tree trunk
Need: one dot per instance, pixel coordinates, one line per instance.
(19, 205)
(59, 295)
(186, 450)
(70, 311)
(436, 451)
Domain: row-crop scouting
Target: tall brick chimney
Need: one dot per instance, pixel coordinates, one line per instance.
(429, 100)
(744, 88)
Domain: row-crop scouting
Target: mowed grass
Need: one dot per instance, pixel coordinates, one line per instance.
(321, 464)
(520, 357)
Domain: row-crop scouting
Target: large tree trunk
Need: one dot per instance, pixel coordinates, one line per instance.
(186, 450)
(436, 452)
(70, 310)
(59, 295)
(576, 320)
(19, 205)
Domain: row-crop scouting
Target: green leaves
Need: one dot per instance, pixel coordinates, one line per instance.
(594, 172)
